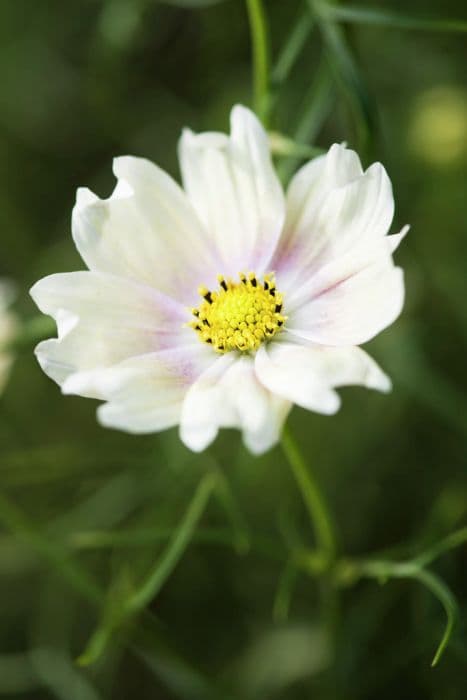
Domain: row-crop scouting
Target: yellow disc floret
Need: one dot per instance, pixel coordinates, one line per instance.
(239, 315)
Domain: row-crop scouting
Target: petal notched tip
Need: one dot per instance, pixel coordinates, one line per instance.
(84, 198)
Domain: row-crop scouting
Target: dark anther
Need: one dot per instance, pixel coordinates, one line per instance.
(206, 322)
(253, 282)
(208, 297)
(196, 312)
(220, 347)
(280, 323)
(277, 308)
(198, 328)
(209, 340)
(272, 292)
(266, 285)
(224, 285)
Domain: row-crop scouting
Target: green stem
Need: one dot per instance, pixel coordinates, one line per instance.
(382, 571)
(175, 547)
(260, 47)
(312, 496)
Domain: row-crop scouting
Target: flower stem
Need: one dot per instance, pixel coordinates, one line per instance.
(260, 47)
(312, 496)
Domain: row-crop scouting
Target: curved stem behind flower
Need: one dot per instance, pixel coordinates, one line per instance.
(312, 496)
(260, 47)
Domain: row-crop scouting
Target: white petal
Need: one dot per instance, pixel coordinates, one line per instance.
(146, 230)
(102, 320)
(229, 395)
(204, 411)
(145, 394)
(268, 434)
(307, 375)
(289, 373)
(331, 207)
(350, 302)
(232, 185)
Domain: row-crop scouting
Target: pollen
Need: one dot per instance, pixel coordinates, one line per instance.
(239, 315)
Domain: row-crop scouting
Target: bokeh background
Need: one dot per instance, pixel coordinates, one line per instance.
(86, 512)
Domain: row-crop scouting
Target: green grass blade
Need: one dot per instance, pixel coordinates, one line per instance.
(347, 75)
(455, 539)
(284, 591)
(48, 549)
(449, 603)
(387, 18)
(316, 107)
(58, 673)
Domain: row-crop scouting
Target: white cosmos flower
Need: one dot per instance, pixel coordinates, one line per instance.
(8, 327)
(223, 303)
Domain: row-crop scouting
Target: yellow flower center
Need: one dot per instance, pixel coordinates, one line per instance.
(239, 315)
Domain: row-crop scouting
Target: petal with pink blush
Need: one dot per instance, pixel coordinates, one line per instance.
(103, 319)
(145, 394)
(233, 187)
(348, 304)
(145, 231)
(330, 209)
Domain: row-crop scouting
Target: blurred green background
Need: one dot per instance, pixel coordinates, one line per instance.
(86, 512)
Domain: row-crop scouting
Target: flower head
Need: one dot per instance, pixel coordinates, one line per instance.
(7, 331)
(223, 303)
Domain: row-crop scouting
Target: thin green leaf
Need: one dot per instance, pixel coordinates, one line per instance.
(58, 673)
(48, 549)
(455, 539)
(315, 503)
(123, 601)
(234, 514)
(260, 47)
(292, 49)
(346, 73)
(388, 18)
(384, 570)
(284, 591)
(449, 603)
(175, 548)
(316, 107)
(284, 146)
(144, 537)
(113, 615)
